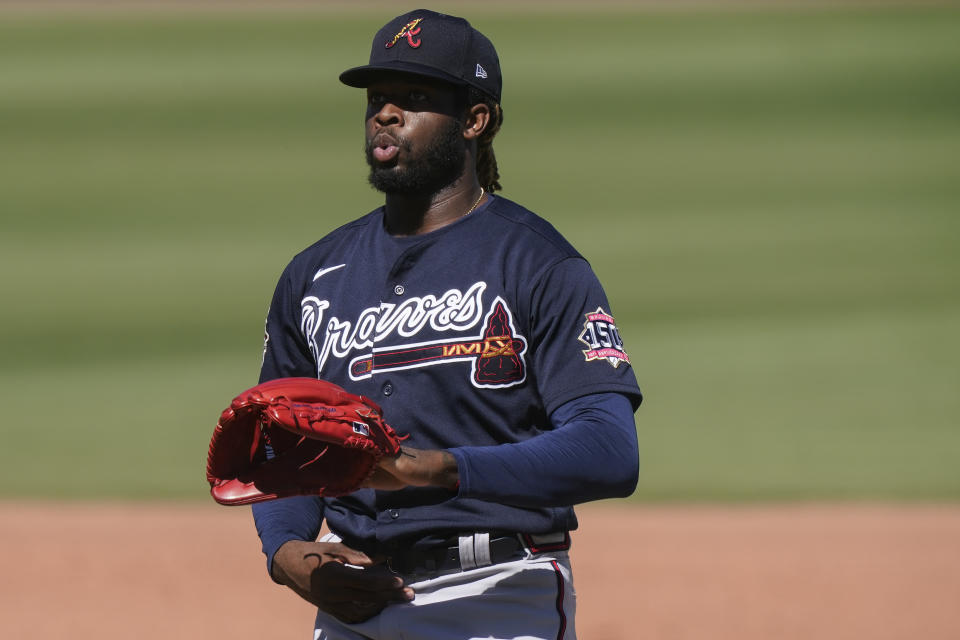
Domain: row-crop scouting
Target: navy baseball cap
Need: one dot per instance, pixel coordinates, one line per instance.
(431, 44)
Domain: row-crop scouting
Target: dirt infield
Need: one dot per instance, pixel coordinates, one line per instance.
(825, 572)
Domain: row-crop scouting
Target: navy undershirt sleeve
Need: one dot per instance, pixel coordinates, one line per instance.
(591, 454)
(285, 354)
(279, 521)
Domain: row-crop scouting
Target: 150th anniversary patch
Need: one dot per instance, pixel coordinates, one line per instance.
(601, 336)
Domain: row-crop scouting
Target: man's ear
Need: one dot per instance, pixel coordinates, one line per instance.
(478, 118)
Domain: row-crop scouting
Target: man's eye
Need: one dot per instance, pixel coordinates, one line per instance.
(375, 98)
(418, 96)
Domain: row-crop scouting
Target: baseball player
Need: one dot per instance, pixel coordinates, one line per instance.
(490, 345)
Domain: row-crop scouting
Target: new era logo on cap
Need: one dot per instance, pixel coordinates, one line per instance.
(481, 72)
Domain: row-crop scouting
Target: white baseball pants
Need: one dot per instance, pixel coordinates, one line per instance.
(531, 598)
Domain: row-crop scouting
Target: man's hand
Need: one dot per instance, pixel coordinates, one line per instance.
(317, 572)
(415, 468)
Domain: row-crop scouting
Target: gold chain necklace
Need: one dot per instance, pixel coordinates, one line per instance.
(470, 210)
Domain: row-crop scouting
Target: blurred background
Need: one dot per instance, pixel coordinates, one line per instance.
(768, 191)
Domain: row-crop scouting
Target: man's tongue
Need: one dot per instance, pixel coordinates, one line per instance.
(385, 154)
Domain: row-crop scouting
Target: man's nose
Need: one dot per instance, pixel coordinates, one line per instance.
(389, 114)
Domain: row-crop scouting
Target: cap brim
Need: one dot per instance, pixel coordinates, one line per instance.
(363, 77)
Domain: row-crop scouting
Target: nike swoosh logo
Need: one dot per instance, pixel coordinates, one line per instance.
(323, 272)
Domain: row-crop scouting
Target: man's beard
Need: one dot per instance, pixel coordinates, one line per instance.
(438, 166)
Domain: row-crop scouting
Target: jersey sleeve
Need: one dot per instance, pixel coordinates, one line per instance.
(577, 345)
(285, 351)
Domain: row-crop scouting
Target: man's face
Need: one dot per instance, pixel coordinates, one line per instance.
(414, 142)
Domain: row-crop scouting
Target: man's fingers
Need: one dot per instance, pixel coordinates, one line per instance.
(345, 554)
(372, 598)
(352, 584)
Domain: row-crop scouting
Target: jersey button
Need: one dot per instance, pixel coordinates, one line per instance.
(394, 514)
(387, 389)
(398, 289)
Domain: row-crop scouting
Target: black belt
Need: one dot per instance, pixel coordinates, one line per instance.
(458, 554)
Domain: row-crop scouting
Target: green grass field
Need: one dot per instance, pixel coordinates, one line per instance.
(770, 197)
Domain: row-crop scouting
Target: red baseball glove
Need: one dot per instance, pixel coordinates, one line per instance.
(296, 436)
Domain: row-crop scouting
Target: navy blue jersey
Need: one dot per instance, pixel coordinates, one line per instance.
(468, 337)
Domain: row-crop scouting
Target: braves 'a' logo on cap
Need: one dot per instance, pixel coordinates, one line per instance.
(409, 30)
(601, 336)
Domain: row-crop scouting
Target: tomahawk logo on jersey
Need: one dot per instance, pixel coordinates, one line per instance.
(495, 355)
